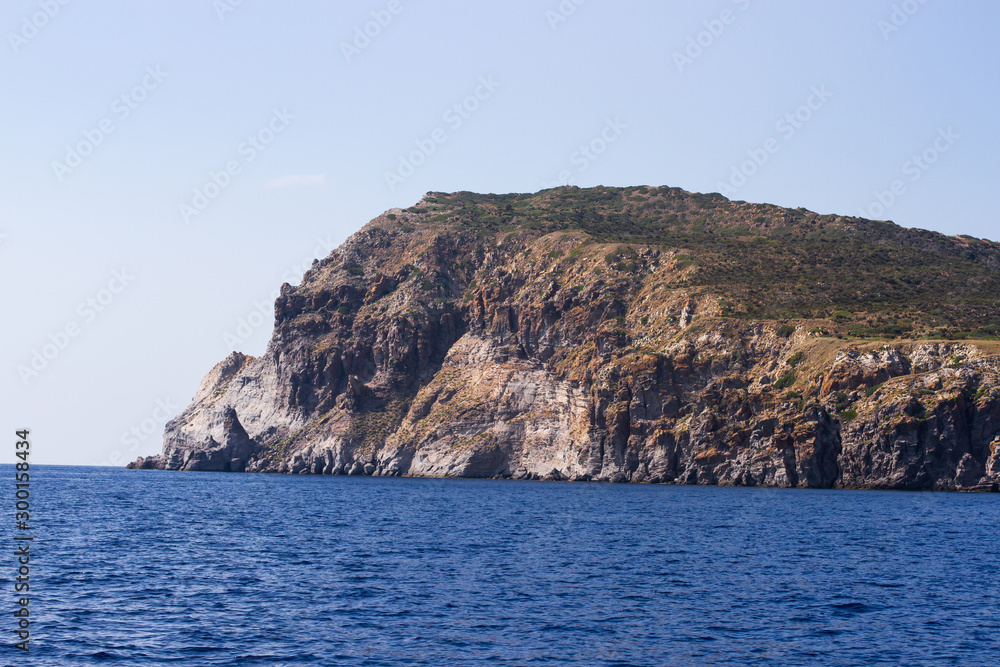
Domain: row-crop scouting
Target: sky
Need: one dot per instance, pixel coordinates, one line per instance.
(165, 165)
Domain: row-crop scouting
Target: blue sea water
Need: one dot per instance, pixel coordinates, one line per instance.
(171, 568)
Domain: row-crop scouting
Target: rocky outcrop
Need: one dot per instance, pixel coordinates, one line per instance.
(935, 429)
(425, 347)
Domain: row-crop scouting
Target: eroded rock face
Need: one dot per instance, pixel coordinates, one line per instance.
(423, 350)
(930, 430)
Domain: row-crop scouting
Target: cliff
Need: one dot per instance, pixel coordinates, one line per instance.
(636, 334)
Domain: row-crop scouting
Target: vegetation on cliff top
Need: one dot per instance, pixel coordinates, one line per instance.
(764, 261)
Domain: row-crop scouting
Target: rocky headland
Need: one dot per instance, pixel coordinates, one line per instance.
(621, 334)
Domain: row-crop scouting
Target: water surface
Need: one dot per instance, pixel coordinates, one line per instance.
(173, 568)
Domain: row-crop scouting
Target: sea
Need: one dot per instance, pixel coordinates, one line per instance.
(150, 568)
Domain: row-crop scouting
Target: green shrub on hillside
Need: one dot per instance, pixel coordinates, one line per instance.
(785, 381)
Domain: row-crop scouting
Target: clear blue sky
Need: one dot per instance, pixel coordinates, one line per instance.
(116, 112)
